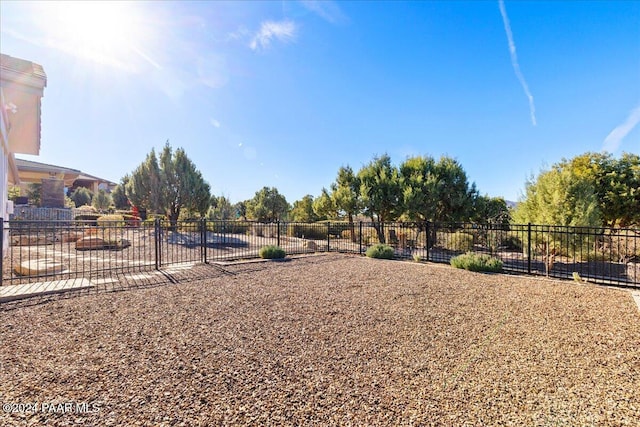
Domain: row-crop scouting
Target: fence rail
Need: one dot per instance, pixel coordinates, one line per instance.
(48, 250)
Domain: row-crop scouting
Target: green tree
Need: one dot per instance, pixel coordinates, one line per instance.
(491, 209)
(119, 194)
(616, 183)
(241, 210)
(345, 193)
(380, 192)
(221, 209)
(143, 187)
(324, 206)
(82, 196)
(558, 197)
(169, 184)
(454, 197)
(302, 210)
(419, 188)
(102, 200)
(268, 205)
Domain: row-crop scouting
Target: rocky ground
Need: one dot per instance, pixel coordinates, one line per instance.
(326, 340)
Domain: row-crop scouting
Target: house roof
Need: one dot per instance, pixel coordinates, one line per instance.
(9, 63)
(28, 165)
(36, 169)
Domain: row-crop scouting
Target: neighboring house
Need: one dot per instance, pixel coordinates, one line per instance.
(22, 85)
(35, 172)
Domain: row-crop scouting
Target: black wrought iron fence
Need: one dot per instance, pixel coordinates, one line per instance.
(47, 250)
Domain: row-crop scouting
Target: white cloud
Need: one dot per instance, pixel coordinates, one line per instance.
(269, 30)
(614, 139)
(326, 9)
(241, 33)
(215, 123)
(514, 61)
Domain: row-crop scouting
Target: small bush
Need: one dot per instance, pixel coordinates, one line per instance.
(111, 221)
(87, 209)
(317, 231)
(456, 242)
(477, 262)
(228, 227)
(271, 252)
(380, 251)
(264, 230)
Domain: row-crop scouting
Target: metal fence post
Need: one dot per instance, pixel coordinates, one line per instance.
(328, 236)
(278, 232)
(426, 240)
(360, 238)
(203, 240)
(529, 248)
(156, 241)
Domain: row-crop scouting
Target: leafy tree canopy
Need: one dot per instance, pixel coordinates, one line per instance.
(119, 194)
(81, 196)
(169, 184)
(221, 209)
(102, 200)
(268, 205)
(616, 183)
(302, 210)
(559, 197)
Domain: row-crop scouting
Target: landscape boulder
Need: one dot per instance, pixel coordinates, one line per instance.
(39, 267)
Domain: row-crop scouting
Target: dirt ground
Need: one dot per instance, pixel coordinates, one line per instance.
(326, 340)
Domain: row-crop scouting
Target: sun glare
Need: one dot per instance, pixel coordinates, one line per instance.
(107, 32)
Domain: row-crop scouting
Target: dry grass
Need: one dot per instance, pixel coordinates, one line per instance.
(330, 340)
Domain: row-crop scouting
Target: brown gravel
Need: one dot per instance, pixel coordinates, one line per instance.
(328, 340)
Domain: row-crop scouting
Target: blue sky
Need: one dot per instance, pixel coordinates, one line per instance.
(284, 93)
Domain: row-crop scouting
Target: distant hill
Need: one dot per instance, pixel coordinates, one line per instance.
(511, 204)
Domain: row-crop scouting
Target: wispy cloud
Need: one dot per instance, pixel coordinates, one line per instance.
(215, 123)
(269, 30)
(514, 61)
(614, 139)
(327, 10)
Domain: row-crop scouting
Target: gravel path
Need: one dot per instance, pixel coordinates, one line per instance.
(327, 340)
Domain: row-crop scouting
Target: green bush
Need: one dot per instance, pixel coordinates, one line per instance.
(456, 242)
(110, 221)
(264, 230)
(380, 251)
(317, 231)
(477, 262)
(271, 252)
(88, 219)
(229, 227)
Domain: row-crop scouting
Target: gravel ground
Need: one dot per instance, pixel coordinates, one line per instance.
(327, 340)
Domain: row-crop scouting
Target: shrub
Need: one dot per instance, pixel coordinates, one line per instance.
(457, 242)
(316, 231)
(271, 252)
(477, 262)
(131, 220)
(110, 221)
(81, 196)
(369, 235)
(380, 251)
(228, 227)
(86, 209)
(264, 230)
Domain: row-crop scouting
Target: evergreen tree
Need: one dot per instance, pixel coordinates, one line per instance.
(169, 184)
